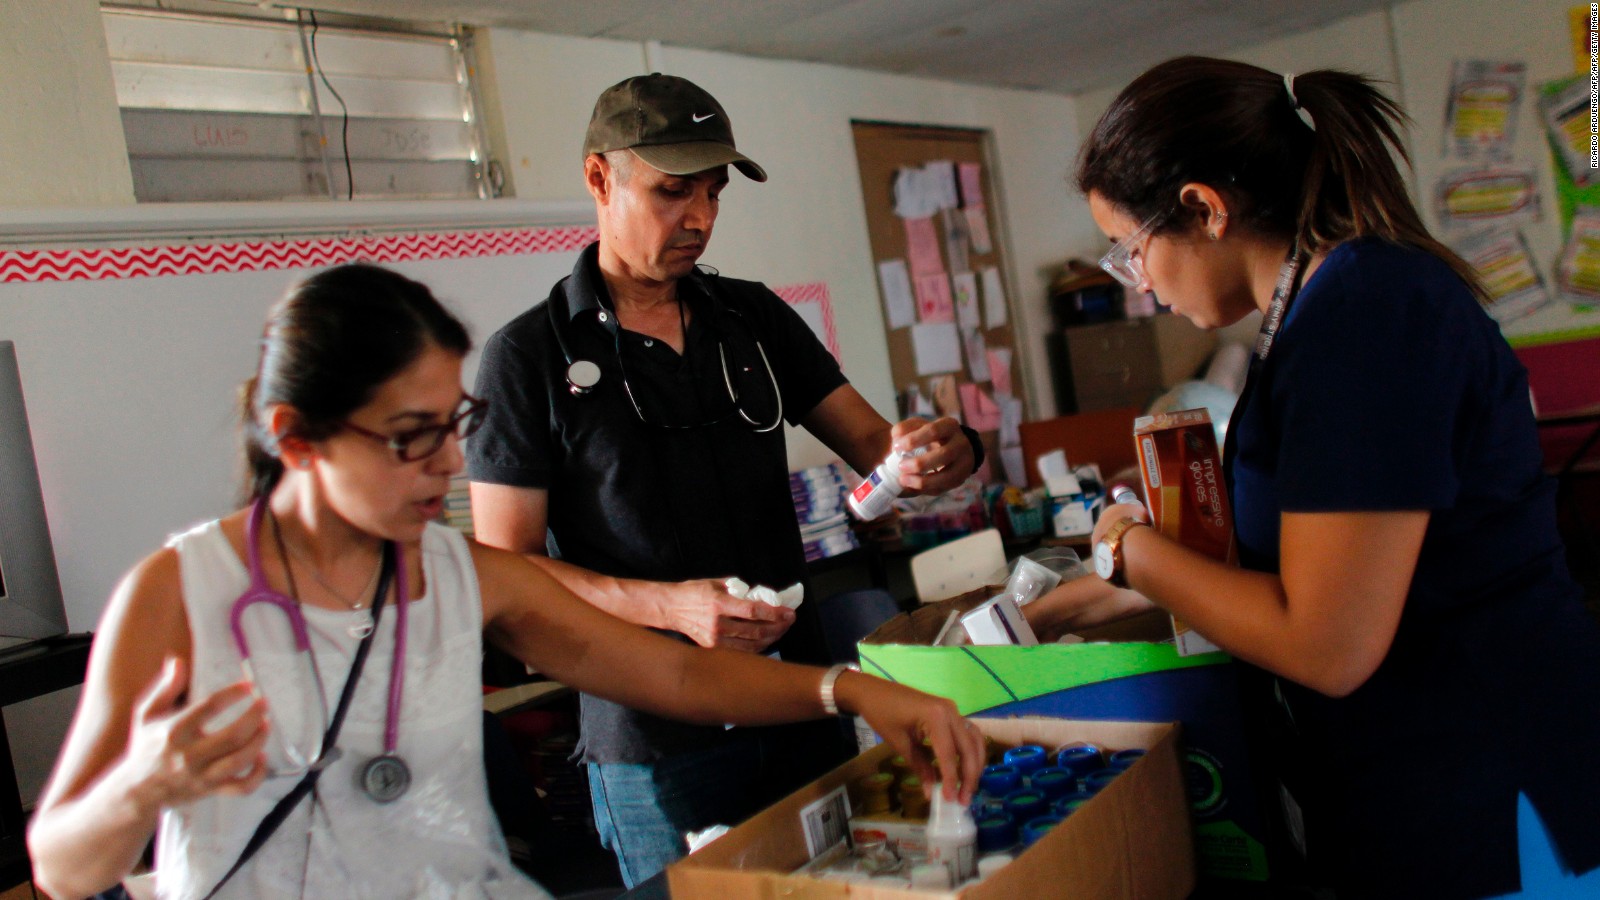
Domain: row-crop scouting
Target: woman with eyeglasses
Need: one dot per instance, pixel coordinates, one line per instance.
(1420, 653)
(349, 762)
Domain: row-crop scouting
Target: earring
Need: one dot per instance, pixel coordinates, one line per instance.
(1213, 235)
(304, 463)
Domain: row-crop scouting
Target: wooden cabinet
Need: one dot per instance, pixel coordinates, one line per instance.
(1130, 362)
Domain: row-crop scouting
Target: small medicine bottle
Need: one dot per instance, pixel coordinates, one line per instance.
(952, 836)
(877, 492)
(875, 793)
(913, 805)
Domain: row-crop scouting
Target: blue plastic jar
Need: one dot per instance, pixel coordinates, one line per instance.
(985, 805)
(998, 781)
(1069, 804)
(996, 833)
(1036, 828)
(1026, 805)
(1095, 782)
(1053, 782)
(1027, 759)
(1122, 759)
(1080, 760)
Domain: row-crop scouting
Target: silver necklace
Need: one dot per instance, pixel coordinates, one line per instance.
(360, 629)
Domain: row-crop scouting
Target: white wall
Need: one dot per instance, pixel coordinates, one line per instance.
(1533, 31)
(1411, 48)
(807, 223)
(60, 135)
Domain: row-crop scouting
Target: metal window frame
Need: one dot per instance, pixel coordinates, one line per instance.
(458, 39)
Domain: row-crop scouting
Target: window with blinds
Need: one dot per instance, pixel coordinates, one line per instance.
(219, 108)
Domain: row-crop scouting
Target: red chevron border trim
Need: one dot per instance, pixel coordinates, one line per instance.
(201, 259)
(815, 292)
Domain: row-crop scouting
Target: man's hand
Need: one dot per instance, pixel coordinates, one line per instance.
(711, 617)
(947, 463)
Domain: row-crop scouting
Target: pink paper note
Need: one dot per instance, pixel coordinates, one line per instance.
(934, 303)
(971, 184)
(978, 409)
(922, 247)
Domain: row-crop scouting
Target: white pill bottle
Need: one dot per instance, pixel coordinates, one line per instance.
(876, 493)
(952, 836)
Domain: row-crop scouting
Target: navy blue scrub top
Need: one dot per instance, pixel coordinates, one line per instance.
(1389, 388)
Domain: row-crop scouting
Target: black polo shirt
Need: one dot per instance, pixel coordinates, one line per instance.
(707, 496)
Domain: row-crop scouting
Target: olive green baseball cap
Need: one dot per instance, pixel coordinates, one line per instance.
(671, 123)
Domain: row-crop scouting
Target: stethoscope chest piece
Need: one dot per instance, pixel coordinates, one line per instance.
(582, 376)
(384, 778)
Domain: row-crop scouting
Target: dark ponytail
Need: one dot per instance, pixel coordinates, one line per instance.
(1237, 128)
(328, 346)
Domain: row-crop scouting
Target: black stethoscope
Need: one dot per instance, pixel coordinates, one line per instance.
(583, 375)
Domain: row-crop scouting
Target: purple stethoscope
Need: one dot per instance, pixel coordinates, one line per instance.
(385, 777)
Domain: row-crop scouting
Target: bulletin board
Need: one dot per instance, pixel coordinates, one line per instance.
(883, 152)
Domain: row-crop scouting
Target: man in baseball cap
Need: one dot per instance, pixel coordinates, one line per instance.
(634, 447)
(668, 122)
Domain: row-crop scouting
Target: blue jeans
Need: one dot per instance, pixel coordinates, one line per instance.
(644, 810)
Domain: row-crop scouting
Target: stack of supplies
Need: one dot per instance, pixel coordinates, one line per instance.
(458, 506)
(819, 505)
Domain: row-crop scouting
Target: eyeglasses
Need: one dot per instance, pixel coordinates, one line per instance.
(1124, 262)
(421, 443)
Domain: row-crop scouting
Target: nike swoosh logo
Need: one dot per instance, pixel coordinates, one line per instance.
(698, 119)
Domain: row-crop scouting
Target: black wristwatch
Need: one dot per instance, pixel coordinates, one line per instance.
(977, 448)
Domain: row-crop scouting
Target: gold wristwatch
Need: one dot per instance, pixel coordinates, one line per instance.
(1108, 553)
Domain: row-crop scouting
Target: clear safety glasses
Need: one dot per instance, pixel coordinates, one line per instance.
(1125, 262)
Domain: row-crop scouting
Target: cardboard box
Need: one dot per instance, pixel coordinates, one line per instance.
(1185, 492)
(1125, 671)
(1131, 842)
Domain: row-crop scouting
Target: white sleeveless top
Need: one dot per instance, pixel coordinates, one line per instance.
(438, 840)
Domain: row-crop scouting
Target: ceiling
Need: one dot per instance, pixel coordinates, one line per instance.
(1063, 46)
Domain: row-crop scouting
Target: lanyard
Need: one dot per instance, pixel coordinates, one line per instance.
(1283, 293)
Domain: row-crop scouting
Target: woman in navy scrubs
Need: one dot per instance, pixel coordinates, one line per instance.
(1402, 585)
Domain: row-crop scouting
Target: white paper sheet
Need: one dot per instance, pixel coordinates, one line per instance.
(937, 346)
(894, 279)
(1010, 421)
(942, 183)
(994, 297)
(966, 300)
(914, 194)
(1016, 469)
(977, 354)
(1000, 369)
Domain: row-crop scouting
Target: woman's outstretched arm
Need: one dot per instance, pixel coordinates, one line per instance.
(530, 615)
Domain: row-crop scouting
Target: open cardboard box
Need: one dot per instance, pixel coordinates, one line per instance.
(1131, 841)
(1125, 671)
